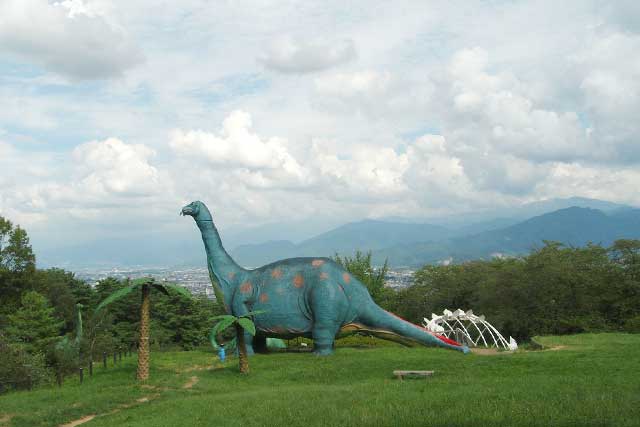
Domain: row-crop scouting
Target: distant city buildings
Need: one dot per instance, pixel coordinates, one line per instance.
(398, 279)
(196, 280)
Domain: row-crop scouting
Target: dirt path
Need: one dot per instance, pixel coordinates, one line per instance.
(487, 351)
(5, 419)
(145, 399)
(192, 381)
(495, 352)
(79, 421)
(88, 418)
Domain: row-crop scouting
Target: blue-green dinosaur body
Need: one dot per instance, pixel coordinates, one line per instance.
(310, 297)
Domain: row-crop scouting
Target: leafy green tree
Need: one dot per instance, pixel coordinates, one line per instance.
(15, 251)
(64, 292)
(626, 255)
(17, 265)
(20, 369)
(623, 299)
(373, 278)
(144, 285)
(553, 290)
(121, 322)
(187, 320)
(241, 324)
(33, 324)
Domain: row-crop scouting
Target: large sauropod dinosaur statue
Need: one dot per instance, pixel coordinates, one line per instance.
(309, 297)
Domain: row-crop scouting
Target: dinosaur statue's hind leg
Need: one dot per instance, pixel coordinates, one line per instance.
(325, 325)
(260, 344)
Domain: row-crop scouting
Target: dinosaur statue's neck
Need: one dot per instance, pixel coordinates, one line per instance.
(219, 262)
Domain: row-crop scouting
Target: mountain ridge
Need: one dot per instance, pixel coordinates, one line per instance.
(574, 226)
(255, 246)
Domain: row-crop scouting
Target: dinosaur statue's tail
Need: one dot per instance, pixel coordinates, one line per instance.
(381, 323)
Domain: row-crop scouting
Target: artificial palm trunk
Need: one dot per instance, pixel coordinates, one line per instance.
(242, 350)
(143, 346)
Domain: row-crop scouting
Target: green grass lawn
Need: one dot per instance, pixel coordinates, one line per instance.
(591, 380)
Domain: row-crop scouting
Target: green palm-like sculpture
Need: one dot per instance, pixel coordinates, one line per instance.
(242, 324)
(67, 349)
(145, 285)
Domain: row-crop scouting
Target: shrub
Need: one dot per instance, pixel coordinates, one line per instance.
(20, 369)
(632, 325)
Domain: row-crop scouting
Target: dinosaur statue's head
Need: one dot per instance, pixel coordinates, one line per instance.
(197, 210)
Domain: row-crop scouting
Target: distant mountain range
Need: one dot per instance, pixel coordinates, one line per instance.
(572, 226)
(573, 221)
(406, 244)
(364, 235)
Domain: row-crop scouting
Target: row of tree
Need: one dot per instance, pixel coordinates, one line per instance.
(553, 290)
(41, 312)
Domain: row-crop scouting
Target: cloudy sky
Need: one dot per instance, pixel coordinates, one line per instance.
(114, 113)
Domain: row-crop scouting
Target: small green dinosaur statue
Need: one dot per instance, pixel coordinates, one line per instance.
(69, 347)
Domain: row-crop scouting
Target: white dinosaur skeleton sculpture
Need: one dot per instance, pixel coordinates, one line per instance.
(468, 328)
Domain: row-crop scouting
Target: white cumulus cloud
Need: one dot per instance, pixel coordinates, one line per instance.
(113, 167)
(236, 145)
(291, 55)
(69, 38)
(495, 111)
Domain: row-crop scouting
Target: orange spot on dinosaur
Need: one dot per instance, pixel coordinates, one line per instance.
(298, 281)
(246, 287)
(231, 275)
(276, 273)
(317, 262)
(324, 275)
(264, 298)
(346, 278)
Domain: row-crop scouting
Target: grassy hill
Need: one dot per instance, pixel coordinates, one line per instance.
(581, 380)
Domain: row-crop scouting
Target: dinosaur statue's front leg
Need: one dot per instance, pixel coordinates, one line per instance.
(239, 308)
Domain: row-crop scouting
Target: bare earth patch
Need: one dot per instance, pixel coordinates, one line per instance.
(192, 381)
(496, 352)
(555, 348)
(145, 399)
(88, 418)
(5, 419)
(195, 368)
(486, 351)
(79, 421)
